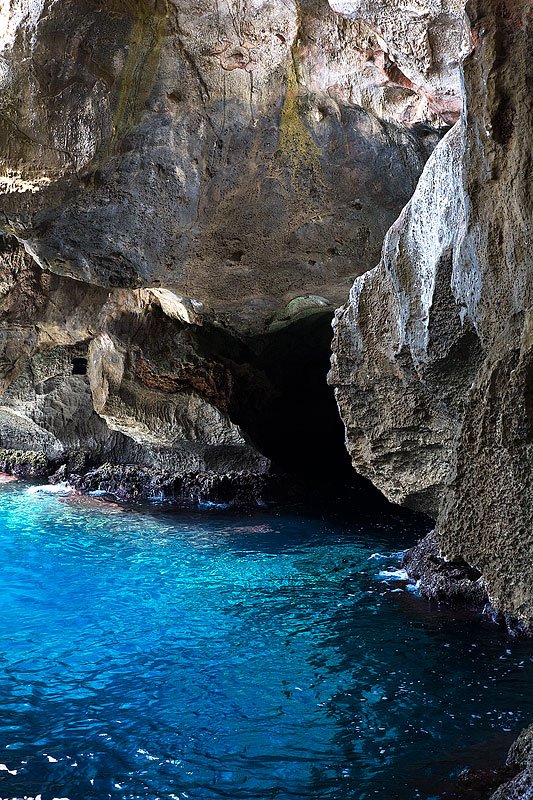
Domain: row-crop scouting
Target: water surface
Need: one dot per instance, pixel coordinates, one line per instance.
(208, 655)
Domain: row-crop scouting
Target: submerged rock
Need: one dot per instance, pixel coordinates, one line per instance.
(511, 781)
(520, 757)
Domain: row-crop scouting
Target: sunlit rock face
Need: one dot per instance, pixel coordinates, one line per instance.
(432, 354)
(422, 44)
(91, 376)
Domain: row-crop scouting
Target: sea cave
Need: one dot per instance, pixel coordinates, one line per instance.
(266, 419)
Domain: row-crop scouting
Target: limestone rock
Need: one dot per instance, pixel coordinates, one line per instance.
(91, 376)
(432, 355)
(137, 483)
(235, 155)
(403, 360)
(172, 173)
(439, 579)
(422, 45)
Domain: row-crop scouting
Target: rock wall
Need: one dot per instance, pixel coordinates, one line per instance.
(240, 154)
(91, 375)
(180, 180)
(432, 362)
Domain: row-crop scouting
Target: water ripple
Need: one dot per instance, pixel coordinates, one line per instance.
(211, 656)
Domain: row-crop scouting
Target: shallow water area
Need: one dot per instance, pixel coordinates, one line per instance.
(213, 655)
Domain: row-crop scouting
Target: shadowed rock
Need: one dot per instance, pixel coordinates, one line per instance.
(433, 356)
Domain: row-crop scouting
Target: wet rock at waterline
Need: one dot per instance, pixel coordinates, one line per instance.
(441, 580)
(511, 781)
(432, 362)
(129, 483)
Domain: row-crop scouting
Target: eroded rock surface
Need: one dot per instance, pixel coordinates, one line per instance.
(422, 45)
(175, 173)
(239, 154)
(440, 579)
(92, 376)
(433, 353)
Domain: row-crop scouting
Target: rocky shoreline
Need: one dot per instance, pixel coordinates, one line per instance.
(240, 490)
(455, 583)
(460, 586)
(140, 483)
(442, 581)
(25, 464)
(510, 781)
(439, 580)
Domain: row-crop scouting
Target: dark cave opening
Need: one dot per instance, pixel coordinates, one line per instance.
(278, 394)
(300, 429)
(79, 365)
(282, 400)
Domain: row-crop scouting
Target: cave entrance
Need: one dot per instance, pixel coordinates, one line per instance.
(300, 429)
(79, 365)
(282, 401)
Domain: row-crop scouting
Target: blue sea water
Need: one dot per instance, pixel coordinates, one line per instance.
(214, 655)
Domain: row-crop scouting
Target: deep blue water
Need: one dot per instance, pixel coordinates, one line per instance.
(209, 655)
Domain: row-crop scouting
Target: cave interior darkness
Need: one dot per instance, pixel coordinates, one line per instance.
(283, 402)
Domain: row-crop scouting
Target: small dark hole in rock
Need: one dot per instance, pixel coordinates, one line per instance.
(8, 244)
(423, 130)
(79, 366)
(311, 262)
(236, 256)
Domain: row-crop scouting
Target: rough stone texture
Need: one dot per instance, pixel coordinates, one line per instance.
(130, 483)
(175, 172)
(240, 154)
(144, 391)
(439, 579)
(24, 463)
(432, 362)
(403, 362)
(519, 788)
(422, 42)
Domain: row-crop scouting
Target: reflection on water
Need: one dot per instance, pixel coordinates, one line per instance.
(218, 656)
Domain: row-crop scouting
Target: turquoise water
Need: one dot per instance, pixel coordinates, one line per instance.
(209, 655)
